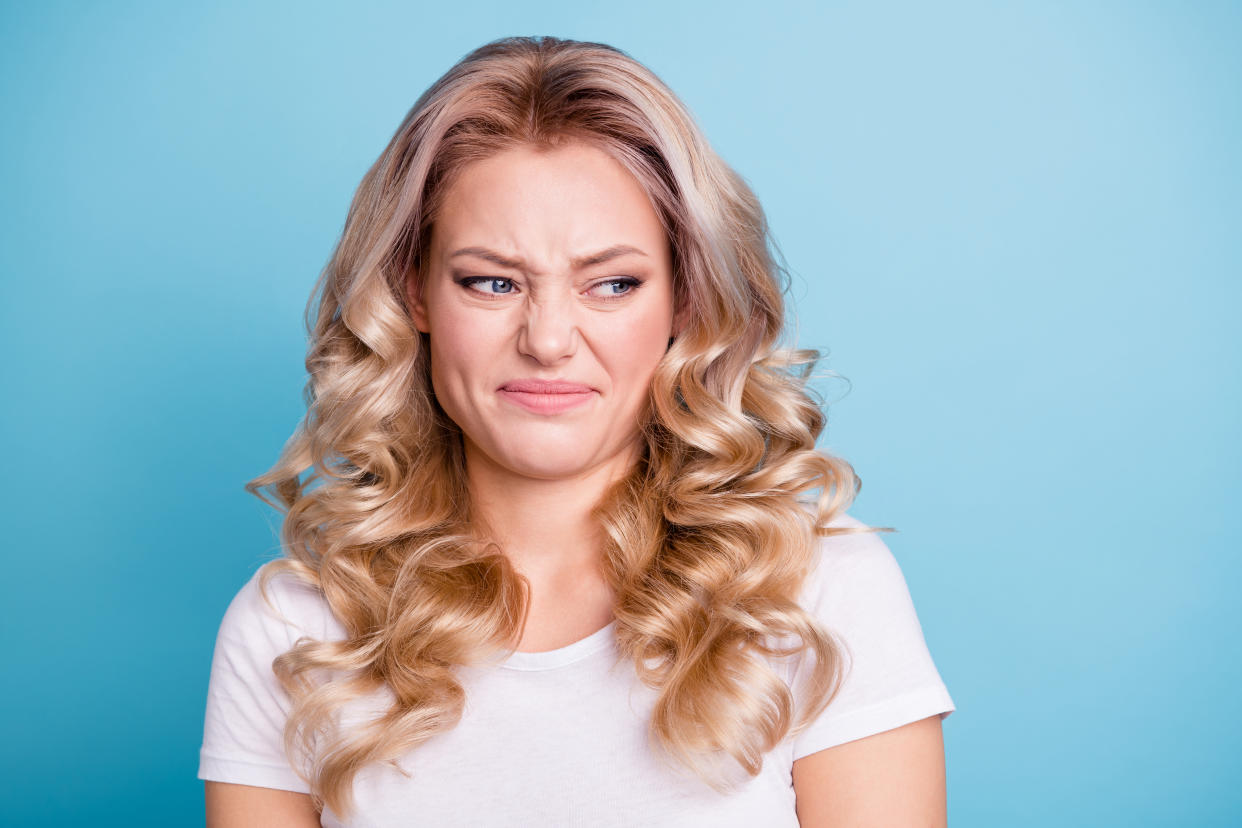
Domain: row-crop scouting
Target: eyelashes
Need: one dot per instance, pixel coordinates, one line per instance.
(629, 282)
(507, 286)
(468, 282)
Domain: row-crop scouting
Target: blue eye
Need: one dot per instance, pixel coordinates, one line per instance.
(628, 284)
(469, 281)
(617, 288)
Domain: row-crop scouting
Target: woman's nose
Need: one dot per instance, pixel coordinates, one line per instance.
(549, 331)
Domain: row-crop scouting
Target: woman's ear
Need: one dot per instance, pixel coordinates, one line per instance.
(414, 299)
(680, 317)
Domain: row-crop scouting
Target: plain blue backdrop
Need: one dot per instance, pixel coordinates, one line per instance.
(1013, 227)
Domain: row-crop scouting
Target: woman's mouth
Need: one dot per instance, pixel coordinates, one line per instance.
(546, 396)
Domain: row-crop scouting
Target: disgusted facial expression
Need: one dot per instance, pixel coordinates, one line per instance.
(547, 297)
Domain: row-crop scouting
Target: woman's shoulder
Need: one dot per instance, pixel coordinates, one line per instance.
(858, 591)
(854, 560)
(247, 706)
(278, 604)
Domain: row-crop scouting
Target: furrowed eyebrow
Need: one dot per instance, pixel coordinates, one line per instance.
(604, 255)
(520, 264)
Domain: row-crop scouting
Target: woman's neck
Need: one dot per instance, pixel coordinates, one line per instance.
(544, 526)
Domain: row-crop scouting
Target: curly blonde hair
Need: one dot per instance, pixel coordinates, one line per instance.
(707, 541)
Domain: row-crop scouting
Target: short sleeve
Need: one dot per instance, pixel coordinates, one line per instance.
(858, 591)
(247, 707)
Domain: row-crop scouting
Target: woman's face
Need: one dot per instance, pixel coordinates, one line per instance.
(546, 267)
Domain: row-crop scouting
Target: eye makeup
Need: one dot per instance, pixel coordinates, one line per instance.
(631, 283)
(467, 282)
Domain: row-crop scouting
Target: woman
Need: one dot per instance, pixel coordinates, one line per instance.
(555, 561)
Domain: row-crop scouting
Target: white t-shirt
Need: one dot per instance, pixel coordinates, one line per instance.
(559, 738)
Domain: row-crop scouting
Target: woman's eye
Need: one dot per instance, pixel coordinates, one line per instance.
(498, 286)
(504, 285)
(616, 287)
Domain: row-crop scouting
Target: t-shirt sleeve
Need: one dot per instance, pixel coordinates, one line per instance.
(247, 707)
(858, 591)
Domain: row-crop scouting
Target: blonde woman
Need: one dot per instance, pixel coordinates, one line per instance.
(560, 549)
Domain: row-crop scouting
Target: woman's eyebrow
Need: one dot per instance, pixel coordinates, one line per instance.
(520, 264)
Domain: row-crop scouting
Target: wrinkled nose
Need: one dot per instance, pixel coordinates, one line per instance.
(549, 332)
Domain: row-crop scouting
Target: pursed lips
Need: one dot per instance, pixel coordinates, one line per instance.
(539, 386)
(546, 396)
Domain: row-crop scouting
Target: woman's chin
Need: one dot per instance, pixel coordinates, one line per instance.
(553, 454)
(549, 467)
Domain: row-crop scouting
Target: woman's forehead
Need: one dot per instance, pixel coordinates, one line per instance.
(571, 207)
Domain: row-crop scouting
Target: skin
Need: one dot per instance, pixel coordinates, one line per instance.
(894, 779)
(548, 318)
(245, 806)
(606, 325)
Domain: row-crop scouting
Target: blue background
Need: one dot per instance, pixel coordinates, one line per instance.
(1014, 227)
